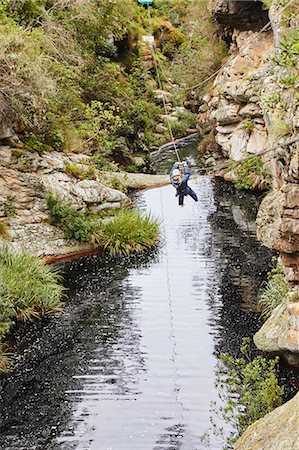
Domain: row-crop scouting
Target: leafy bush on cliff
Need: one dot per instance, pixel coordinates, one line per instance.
(249, 389)
(74, 224)
(28, 290)
(288, 50)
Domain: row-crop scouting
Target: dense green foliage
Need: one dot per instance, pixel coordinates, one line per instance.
(249, 389)
(28, 290)
(74, 73)
(274, 291)
(288, 50)
(128, 231)
(79, 73)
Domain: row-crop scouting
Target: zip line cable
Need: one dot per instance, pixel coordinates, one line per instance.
(268, 24)
(170, 306)
(231, 164)
(160, 84)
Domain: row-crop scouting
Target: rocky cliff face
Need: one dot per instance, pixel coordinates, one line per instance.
(252, 106)
(24, 182)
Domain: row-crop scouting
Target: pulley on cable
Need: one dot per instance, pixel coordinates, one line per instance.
(146, 2)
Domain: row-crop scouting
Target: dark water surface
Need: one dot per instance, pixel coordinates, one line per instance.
(131, 363)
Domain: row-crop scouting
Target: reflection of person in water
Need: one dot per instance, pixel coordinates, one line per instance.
(179, 180)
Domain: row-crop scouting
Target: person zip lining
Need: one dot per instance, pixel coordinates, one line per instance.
(179, 179)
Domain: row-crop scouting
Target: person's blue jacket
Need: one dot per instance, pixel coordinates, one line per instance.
(182, 188)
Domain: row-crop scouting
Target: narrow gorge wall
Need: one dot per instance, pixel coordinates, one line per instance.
(253, 106)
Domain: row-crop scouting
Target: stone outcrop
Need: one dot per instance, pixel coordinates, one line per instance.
(277, 430)
(232, 107)
(25, 179)
(280, 333)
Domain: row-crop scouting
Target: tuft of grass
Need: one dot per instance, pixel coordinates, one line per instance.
(3, 230)
(248, 125)
(130, 231)
(79, 173)
(274, 291)
(28, 290)
(279, 127)
(6, 360)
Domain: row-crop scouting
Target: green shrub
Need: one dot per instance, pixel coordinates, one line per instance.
(186, 120)
(28, 287)
(79, 173)
(114, 182)
(270, 100)
(248, 125)
(290, 80)
(249, 389)
(249, 171)
(74, 224)
(288, 54)
(274, 291)
(129, 231)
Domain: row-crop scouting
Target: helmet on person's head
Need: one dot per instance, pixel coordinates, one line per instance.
(176, 173)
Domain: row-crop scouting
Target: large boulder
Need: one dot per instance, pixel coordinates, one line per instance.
(278, 430)
(280, 332)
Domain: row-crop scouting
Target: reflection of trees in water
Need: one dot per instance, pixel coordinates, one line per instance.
(241, 266)
(172, 439)
(34, 407)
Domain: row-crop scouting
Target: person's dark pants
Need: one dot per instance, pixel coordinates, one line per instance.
(190, 192)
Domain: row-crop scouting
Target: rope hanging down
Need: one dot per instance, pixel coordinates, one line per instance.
(160, 84)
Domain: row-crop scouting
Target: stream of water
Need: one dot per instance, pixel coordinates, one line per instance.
(131, 364)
